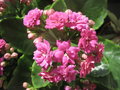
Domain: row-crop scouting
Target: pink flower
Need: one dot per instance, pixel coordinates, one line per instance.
(58, 55)
(56, 20)
(63, 45)
(72, 52)
(88, 40)
(32, 19)
(77, 21)
(43, 55)
(86, 66)
(2, 44)
(2, 5)
(99, 52)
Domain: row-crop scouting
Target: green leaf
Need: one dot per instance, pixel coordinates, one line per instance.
(59, 5)
(21, 74)
(15, 33)
(100, 71)
(95, 10)
(112, 53)
(36, 80)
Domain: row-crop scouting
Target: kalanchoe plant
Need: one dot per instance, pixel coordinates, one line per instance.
(66, 61)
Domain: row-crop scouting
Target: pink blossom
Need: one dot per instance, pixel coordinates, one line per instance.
(72, 52)
(56, 20)
(88, 40)
(63, 45)
(2, 44)
(86, 66)
(99, 52)
(43, 55)
(67, 60)
(32, 19)
(58, 55)
(77, 21)
(2, 5)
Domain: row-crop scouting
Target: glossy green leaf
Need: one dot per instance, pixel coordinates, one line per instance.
(21, 74)
(95, 10)
(36, 80)
(14, 32)
(100, 71)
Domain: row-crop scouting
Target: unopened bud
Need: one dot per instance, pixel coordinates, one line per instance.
(7, 46)
(31, 36)
(48, 12)
(91, 22)
(84, 56)
(3, 64)
(25, 85)
(7, 56)
(28, 89)
(28, 31)
(14, 55)
(68, 11)
(39, 39)
(80, 13)
(11, 49)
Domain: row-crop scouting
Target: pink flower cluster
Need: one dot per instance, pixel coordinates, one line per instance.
(67, 61)
(32, 19)
(73, 20)
(65, 55)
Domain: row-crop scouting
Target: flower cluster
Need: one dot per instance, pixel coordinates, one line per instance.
(7, 53)
(66, 60)
(32, 18)
(2, 5)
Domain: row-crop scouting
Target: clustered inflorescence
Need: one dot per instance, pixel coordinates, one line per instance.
(66, 61)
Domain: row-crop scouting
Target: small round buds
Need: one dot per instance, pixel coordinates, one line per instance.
(48, 12)
(25, 85)
(68, 11)
(91, 22)
(39, 39)
(3, 64)
(31, 36)
(7, 56)
(14, 55)
(7, 46)
(84, 56)
(11, 49)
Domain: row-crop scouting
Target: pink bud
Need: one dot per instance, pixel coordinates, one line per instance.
(48, 12)
(28, 89)
(80, 13)
(91, 22)
(31, 36)
(14, 55)
(12, 49)
(39, 39)
(68, 11)
(84, 56)
(7, 46)
(3, 64)
(7, 56)
(28, 31)
(25, 84)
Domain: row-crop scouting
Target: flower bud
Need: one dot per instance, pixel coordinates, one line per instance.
(3, 64)
(7, 46)
(31, 36)
(7, 56)
(25, 85)
(11, 49)
(91, 22)
(68, 11)
(14, 55)
(28, 89)
(84, 56)
(39, 39)
(48, 12)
